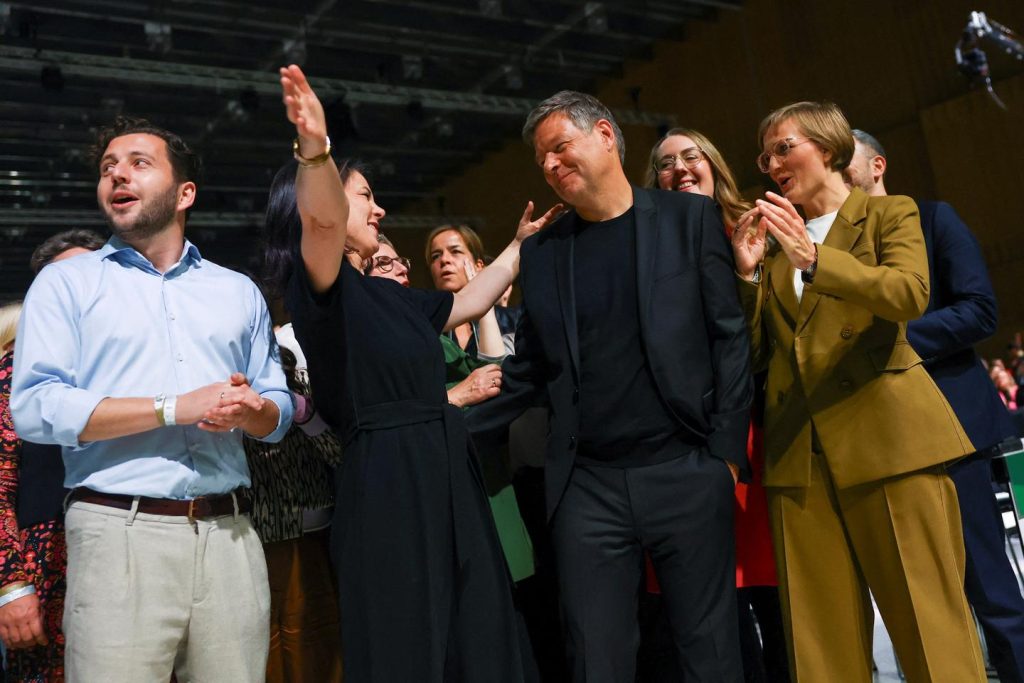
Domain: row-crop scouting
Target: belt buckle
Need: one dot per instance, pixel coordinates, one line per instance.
(191, 515)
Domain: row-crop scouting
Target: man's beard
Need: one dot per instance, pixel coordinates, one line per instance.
(151, 219)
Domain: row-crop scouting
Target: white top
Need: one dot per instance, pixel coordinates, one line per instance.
(818, 229)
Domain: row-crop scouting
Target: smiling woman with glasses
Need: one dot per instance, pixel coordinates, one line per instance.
(856, 432)
(686, 160)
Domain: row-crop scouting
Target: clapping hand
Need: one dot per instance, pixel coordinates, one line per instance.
(786, 225)
(749, 242)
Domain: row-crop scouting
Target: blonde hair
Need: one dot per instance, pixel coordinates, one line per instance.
(822, 122)
(9, 315)
(726, 195)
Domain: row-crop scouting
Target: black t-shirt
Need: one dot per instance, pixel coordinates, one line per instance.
(623, 420)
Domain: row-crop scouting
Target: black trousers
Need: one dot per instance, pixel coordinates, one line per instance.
(680, 511)
(990, 584)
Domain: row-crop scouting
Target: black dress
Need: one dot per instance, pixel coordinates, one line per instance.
(423, 588)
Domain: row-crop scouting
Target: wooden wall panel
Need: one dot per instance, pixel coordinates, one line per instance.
(977, 152)
(888, 64)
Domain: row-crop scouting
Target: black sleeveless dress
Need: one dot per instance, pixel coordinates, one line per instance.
(424, 591)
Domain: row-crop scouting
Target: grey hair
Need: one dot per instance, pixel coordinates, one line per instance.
(869, 141)
(582, 109)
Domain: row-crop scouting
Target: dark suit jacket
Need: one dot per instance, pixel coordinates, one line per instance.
(961, 312)
(691, 323)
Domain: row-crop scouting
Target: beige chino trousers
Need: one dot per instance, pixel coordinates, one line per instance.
(151, 594)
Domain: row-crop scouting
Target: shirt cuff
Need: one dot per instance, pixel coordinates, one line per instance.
(73, 409)
(285, 410)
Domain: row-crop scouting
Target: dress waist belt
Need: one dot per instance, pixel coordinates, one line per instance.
(391, 415)
(465, 481)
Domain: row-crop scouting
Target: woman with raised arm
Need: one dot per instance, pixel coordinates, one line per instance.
(423, 587)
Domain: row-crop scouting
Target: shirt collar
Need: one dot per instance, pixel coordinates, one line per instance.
(122, 252)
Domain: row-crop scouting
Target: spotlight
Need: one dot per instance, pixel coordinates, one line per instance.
(513, 77)
(412, 67)
(237, 112)
(597, 17)
(158, 36)
(294, 50)
(490, 8)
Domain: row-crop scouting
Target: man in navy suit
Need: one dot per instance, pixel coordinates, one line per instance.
(632, 331)
(962, 312)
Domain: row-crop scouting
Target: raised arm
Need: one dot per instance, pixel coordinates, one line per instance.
(319, 192)
(473, 300)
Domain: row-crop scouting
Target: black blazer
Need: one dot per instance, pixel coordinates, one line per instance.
(961, 312)
(693, 331)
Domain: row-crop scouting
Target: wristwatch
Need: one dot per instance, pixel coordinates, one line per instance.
(807, 274)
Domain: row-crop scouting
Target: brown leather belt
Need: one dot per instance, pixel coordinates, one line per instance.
(197, 508)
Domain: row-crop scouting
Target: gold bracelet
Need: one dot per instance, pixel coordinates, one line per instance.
(158, 407)
(311, 162)
(11, 587)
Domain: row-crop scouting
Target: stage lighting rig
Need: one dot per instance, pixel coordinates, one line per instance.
(972, 60)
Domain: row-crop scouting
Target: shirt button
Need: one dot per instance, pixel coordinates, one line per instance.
(172, 316)
(572, 442)
(846, 332)
(180, 358)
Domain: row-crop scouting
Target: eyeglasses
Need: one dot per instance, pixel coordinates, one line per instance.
(690, 158)
(385, 263)
(779, 150)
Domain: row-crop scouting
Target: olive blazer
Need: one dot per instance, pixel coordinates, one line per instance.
(839, 358)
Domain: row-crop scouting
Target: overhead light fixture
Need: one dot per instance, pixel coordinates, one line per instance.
(490, 8)
(158, 36)
(597, 17)
(294, 50)
(237, 112)
(513, 77)
(412, 67)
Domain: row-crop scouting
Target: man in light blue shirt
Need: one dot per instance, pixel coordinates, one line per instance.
(144, 362)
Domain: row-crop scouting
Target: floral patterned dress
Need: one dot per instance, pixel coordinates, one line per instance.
(35, 554)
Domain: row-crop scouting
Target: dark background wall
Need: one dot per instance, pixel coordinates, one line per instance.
(888, 64)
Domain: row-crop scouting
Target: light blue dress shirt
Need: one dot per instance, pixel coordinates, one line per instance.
(109, 324)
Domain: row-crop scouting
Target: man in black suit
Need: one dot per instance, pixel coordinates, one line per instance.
(633, 329)
(962, 312)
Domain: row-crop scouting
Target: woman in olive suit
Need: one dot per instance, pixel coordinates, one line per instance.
(856, 432)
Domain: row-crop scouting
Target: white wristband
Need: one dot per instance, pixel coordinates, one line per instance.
(15, 594)
(169, 405)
